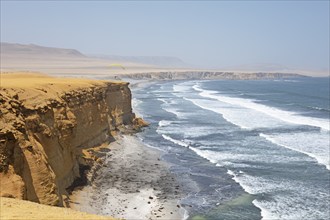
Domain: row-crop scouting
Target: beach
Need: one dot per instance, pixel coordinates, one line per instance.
(132, 183)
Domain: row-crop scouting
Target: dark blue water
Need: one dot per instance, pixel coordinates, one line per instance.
(244, 149)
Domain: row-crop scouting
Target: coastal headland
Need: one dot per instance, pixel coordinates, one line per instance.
(51, 129)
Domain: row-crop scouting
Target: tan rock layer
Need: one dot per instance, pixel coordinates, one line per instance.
(46, 123)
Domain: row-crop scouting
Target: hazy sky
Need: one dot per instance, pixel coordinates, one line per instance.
(209, 33)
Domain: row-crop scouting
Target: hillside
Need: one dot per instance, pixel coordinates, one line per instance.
(21, 50)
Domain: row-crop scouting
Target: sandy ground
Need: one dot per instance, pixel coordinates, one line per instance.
(20, 209)
(132, 184)
(33, 80)
(36, 88)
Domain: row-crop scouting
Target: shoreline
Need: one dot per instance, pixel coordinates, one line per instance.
(132, 183)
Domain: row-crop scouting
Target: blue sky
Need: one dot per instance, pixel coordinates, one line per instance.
(206, 33)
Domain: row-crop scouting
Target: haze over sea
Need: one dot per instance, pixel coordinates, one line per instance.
(244, 149)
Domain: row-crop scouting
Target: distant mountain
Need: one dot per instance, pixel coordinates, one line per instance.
(10, 49)
(32, 51)
(31, 57)
(159, 61)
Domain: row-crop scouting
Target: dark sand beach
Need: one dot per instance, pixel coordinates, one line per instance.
(132, 183)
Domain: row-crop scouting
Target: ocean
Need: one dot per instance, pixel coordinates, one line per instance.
(243, 149)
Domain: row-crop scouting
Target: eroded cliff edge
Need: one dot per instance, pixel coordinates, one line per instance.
(46, 125)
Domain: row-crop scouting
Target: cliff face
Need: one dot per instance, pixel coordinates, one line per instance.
(44, 129)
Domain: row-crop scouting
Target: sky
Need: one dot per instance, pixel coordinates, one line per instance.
(203, 33)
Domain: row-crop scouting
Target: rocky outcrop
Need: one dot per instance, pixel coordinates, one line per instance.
(43, 135)
(192, 75)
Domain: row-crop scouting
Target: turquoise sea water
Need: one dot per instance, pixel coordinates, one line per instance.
(244, 149)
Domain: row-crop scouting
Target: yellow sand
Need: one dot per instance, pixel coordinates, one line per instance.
(36, 88)
(21, 209)
(34, 79)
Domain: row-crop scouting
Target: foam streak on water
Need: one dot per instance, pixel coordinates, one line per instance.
(290, 117)
(250, 115)
(315, 145)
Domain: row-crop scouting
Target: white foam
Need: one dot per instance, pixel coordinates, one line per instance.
(185, 214)
(168, 106)
(320, 109)
(286, 116)
(181, 88)
(197, 88)
(291, 80)
(181, 143)
(163, 100)
(279, 206)
(242, 117)
(291, 205)
(231, 173)
(174, 111)
(234, 157)
(207, 154)
(164, 123)
(135, 105)
(315, 145)
(187, 131)
(249, 189)
(265, 214)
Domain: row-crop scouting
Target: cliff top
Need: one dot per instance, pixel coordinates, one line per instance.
(36, 88)
(33, 80)
(20, 209)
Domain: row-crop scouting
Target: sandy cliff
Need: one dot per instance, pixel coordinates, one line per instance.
(46, 125)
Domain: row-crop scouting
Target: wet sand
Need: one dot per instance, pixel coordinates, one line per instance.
(133, 183)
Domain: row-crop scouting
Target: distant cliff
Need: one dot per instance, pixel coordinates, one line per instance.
(181, 75)
(46, 125)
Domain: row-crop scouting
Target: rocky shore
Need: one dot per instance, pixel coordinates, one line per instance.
(132, 183)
